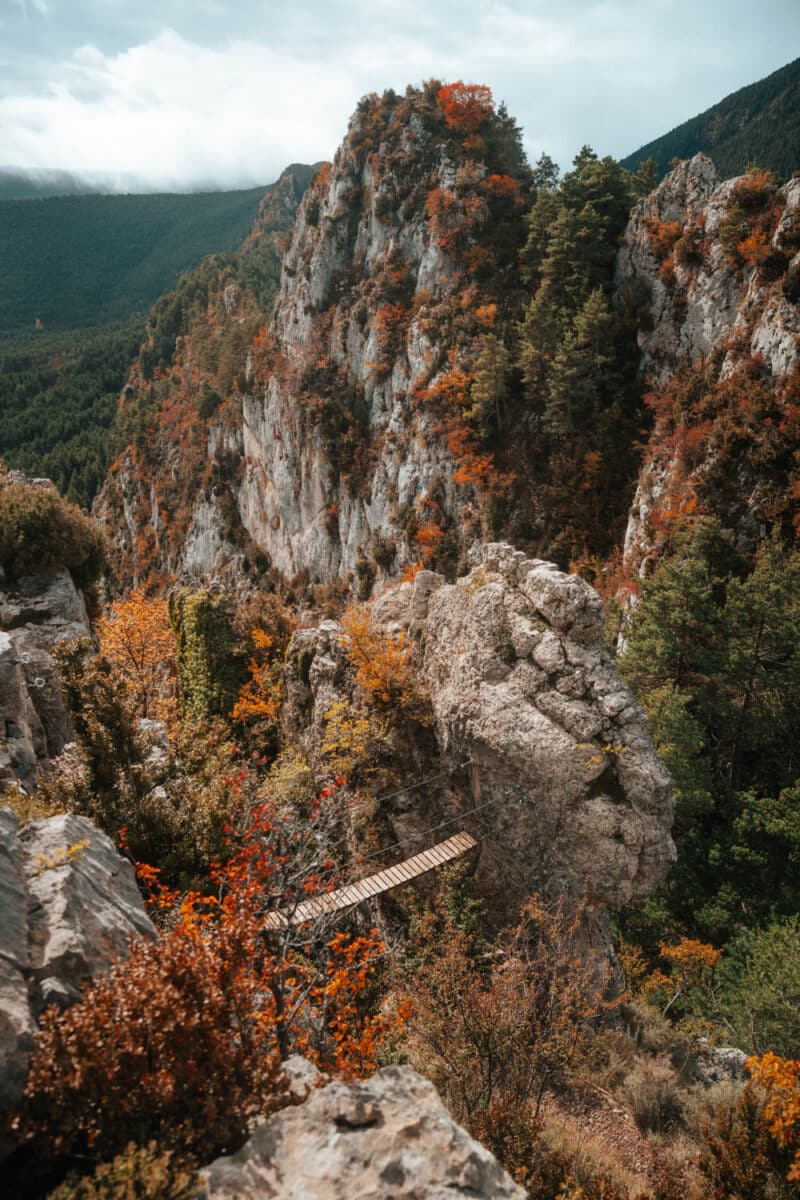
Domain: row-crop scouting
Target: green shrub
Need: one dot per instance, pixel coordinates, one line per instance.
(761, 997)
(41, 532)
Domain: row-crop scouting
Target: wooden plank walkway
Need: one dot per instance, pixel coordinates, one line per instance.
(374, 885)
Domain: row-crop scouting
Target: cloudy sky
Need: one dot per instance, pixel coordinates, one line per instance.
(182, 92)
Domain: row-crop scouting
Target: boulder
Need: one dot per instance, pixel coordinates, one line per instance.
(717, 1064)
(69, 904)
(547, 758)
(390, 1136)
(83, 903)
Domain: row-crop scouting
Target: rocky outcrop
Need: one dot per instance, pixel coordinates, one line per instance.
(714, 272)
(702, 299)
(388, 1136)
(36, 613)
(69, 904)
(553, 768)
(329, 455)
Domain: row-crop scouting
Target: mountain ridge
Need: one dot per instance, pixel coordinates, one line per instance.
(758, 123)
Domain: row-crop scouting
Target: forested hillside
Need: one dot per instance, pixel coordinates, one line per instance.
(19, 184)
(759, 124)
(59, 392)
(72, 262)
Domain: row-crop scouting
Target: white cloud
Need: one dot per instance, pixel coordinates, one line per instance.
(170, 111)
(232, 93)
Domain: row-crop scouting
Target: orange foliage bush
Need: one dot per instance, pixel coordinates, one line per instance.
(691, 964)
(780, 1078)
(752, 217)
(663, 235)
(428, 537)
(740, 1156)
(388, 324)
(260, 697)
(382, 661)
(182, 1042)
(465, 106)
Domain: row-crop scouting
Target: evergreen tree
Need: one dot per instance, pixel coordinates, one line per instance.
(712, 652)
(645, 178)
(489, 383)
(580, 379)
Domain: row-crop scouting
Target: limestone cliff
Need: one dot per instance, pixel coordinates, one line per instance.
(714, 269)
(332, 449)
(37, 612)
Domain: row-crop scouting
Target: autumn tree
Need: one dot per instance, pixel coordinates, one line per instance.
(382, 661)
(136, 636)
(264, 626)
(465, 106)
(780, 1079)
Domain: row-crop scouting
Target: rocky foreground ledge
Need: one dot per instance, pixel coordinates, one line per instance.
(390, 1136)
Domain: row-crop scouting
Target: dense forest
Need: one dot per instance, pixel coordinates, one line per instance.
(18, 184)
(59, 394)
(759, 124)
(70, 262)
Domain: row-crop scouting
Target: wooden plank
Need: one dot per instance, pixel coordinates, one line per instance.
(374, 885)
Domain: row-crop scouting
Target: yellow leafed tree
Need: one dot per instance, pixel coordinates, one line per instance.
(136, 636)
(382, 661)
(260, 698)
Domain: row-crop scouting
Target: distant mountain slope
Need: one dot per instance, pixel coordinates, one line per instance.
(758, 124)
(19, 183)
(84, 261)
(59, 389)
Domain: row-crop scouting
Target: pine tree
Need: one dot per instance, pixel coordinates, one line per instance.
(580, 380)
(489, 382)
(646, 177)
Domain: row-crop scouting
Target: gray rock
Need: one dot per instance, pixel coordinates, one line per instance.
(717, 1064)
(36, 614)
(388, 1137)
(17, 1027)
(83, 909)
(563, 787)
(63, 917)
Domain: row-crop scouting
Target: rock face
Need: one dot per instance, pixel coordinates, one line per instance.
(714, 270)
(36, 614)
(553, 767)
(388, 1137)
(702, 299)
(331, 451)
(68, 904)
